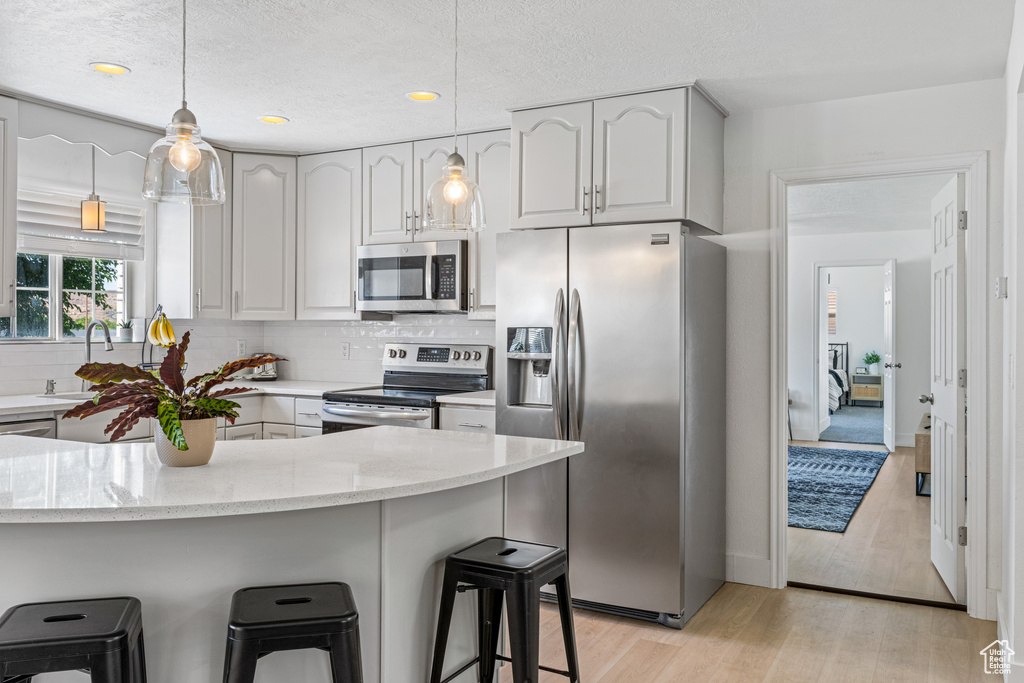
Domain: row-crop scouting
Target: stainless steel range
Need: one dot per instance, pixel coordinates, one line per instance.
(414, 376)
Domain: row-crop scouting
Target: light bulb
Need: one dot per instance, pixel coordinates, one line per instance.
(184, 155)
(455, 191)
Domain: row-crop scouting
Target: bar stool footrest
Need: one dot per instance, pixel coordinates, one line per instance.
(541, 667)
(461, 671)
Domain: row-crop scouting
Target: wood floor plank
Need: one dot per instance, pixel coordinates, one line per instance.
(858, 643)
(805, 651)
(644, 661)
(905, 652)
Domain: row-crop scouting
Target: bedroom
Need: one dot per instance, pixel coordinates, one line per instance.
(859, 286)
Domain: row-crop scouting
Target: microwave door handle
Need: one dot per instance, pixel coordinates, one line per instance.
(432, 279)
(556, 357)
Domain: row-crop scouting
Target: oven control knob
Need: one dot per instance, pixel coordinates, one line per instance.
(456, 355)
(401, 353)
(392, 353)
(477, 355)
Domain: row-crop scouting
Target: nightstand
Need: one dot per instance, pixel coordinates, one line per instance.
(866, 388)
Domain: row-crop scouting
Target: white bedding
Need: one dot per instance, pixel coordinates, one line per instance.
(838, 384)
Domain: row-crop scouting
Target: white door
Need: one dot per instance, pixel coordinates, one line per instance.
(488, 158)
(889, 355)
(252, 432)
(949, 453)
(263, 237)
(277, 431)
(330, 227)
(211, 254)
(387, 194)
(429, 159)
(552, 149)
(640, 157)
(8, 202)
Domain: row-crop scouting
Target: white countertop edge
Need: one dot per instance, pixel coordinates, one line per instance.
(251, 507)
(475, 398)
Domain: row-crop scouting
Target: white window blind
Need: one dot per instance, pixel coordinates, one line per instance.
(51, 223)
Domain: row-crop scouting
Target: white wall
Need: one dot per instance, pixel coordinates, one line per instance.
(915, 123)
(1011, 609)
(860, 319)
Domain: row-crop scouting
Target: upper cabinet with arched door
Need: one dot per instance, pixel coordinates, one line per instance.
(654, 156)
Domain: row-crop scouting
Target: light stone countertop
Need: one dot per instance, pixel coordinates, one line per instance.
(33, 403)
(473, 398)
(44, 480)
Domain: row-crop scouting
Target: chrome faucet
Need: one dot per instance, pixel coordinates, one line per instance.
(107, 346)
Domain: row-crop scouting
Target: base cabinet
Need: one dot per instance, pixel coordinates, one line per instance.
(467, 419)
(244, 433)
(278, 431)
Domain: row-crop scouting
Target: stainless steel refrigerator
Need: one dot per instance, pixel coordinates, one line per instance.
(615, 336)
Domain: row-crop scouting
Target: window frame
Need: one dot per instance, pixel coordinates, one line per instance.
(56, 291)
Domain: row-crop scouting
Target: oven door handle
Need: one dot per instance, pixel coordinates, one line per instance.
(376, 414)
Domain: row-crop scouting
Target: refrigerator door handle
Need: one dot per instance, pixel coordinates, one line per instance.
(556, 356)
(574, 319)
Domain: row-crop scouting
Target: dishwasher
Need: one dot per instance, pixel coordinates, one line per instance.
(44, 428)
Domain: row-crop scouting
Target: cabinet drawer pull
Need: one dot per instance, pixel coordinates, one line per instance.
(416, 223)
(470, 424)
(583, 200)
(408, 220)
(310, 414)
(597, 194)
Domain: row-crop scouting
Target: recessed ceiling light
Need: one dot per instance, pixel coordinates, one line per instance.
(273, 119)
(422, 95)
(110, 68)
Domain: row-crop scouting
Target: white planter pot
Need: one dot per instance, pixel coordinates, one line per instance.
(200, 436)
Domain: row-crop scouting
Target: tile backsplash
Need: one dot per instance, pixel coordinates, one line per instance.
(312, 348)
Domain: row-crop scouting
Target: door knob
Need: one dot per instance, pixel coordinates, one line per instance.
(930, 398)
(894, 365)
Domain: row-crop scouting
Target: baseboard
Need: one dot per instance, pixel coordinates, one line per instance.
(824, 424)
(805, 434)
(905, 440)
(753, 571)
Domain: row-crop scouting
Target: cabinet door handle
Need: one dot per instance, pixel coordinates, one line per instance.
(583, 200)
(597, 194)
(199, 299)
(408, 219)
(416, 223)
(11, 299)
(236, 301)
(472, 292)
(353, 299)
(470, 424)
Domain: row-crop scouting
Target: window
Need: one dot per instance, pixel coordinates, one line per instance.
(88, 289)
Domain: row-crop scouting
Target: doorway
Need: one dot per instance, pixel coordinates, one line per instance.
(898, 463)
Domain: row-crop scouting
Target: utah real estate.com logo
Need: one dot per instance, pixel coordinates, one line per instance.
(997, 657)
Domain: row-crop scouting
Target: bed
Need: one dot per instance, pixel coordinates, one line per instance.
(838, 376)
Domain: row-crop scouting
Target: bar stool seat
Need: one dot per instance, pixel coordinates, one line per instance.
(500, 569)
(102, 636)
(270, 619)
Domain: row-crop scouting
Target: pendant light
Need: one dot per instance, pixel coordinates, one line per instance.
(454, 202)
(94, 211)
(182, 167)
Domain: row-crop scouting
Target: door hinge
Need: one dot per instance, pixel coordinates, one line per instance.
(961, 536)
(961, 220)
(963, 378)
(1002, 287)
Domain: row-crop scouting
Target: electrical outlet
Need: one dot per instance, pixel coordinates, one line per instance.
(345, 349)
(240, 348)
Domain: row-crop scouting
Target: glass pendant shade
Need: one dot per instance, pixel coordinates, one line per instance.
(183, 168)
(454, 202)
(94, 214)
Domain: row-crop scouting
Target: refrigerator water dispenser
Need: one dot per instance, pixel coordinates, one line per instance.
(529, 366)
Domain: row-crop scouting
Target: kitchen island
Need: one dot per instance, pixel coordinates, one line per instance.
(376, 508)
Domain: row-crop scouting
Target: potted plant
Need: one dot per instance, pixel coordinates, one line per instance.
(124, 330)
(872, 359)
(187, 412)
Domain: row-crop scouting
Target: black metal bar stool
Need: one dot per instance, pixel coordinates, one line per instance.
(102, 637)
(500, 568)
(274, 618)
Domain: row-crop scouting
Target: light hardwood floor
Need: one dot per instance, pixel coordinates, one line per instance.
(885, 549)
(746, 633)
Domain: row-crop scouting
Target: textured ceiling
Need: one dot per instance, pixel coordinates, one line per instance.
(340, 69)
(881, 205)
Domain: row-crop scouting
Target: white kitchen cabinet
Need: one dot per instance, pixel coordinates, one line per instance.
(488, 156)
(244, 433)
(655, 156)
(278, 431)
(279, 409)
(430, 158)
(193, 265)
(303, 432)
(250, 411)
(467, 419)
(90, 429)
(551, 178)
(387, 194)
(307, 412)
(640, 157)
(263, 237)
(330, 224)
(8, 202)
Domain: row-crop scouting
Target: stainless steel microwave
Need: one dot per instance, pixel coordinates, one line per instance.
(416, 277)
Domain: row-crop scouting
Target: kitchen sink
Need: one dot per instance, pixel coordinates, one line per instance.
(71, 395)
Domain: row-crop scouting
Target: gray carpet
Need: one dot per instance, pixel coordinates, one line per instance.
(855, 424)
(827, 485)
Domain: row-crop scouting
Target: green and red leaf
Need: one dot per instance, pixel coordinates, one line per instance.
(100, 373)
(170, 423)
